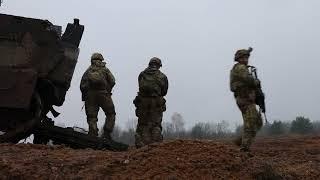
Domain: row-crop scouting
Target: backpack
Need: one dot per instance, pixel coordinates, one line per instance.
(149, 85)
(96, 78)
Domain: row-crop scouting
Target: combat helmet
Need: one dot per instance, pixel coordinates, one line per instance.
(97, 56)
(242, 52)
(156, 61)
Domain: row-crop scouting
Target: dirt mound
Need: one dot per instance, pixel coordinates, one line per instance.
(273, 158)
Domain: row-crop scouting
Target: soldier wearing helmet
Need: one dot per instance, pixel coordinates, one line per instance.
(96, 86)
(97, 56)
(242, 53)
(155, 61)
(244, 87)
(150, 104)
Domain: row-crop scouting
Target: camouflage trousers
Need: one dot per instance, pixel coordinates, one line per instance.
(252, 121)
(149, 112)
(93, 101)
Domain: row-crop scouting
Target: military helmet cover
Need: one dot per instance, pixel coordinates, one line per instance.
(155, 60)
(242, 53)
(97, 56)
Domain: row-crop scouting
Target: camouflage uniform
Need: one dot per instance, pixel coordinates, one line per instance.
(244, 87)
(98, 95)
(150, 105)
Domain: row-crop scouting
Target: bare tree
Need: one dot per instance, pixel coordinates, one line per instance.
(222, 128)
(177, 123)
(202, 130)
(116, 133)
(132, 124)
(168, 132)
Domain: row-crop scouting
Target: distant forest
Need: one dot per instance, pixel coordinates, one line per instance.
(175, 129)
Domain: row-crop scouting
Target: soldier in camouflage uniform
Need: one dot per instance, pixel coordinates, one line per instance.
(96, 85)
(244, 87)
(150, 104)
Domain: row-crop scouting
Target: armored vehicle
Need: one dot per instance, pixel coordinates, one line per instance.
(37, 62)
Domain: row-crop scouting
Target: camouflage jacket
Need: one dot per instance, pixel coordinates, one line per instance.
(159, 82)
(97, 65)
(241, 81)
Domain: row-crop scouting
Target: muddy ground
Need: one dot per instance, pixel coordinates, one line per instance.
(272, 158)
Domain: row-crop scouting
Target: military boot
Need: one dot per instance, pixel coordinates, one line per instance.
(93, 129)
(244, 149)
(106, 135)
(247, 139)
(108, 126)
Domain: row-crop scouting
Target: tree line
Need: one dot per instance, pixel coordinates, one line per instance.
(175, 129)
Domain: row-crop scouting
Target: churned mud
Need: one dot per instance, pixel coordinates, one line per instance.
(271, 158)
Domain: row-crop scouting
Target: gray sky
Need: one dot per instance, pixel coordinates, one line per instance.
(196, 41)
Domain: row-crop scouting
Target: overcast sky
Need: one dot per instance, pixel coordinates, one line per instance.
(196, 41)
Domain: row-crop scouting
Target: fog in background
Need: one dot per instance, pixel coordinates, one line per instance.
(196, 41)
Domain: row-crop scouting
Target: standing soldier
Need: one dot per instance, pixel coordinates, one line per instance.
(244, 87)
(150, 104)
(96, 85)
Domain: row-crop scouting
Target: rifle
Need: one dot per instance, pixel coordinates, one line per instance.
(260, 97)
